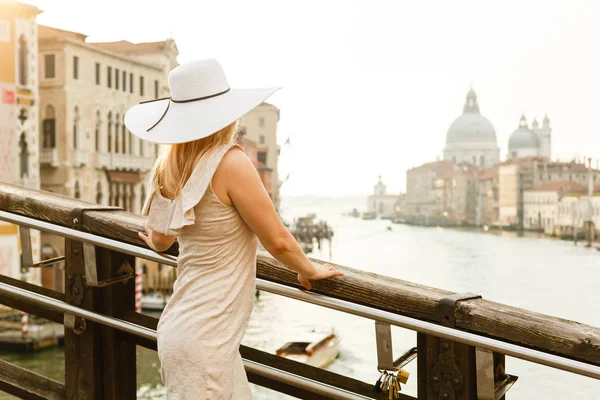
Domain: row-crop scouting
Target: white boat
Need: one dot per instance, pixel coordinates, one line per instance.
(154, 302)
(313, 349)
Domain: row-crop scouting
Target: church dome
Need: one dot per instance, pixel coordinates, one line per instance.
(523, 137)
(471, 126)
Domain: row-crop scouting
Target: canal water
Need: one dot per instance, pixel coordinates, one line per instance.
(539, 274)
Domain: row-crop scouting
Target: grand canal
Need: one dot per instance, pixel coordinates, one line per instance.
(538, 274)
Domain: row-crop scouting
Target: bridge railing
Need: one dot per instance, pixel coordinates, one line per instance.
(461, 338)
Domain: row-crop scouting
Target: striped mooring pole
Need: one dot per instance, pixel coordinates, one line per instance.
(24, 324)
(138, 292)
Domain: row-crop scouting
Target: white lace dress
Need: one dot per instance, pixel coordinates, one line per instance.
(200, 329)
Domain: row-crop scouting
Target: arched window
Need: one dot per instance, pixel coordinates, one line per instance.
(125, 197)
(131, 198)
(24, 156)
(110, 194)
(98, 193)
(117, 131)
(23, 60)
(77, 190)
(109, 126)
(75, 127)
(49, 128)
(97, 131)
(117, 194)
(124, 133)
(142, 197)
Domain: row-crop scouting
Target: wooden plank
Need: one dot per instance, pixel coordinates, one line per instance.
(274, 361)
(40, 311)
(541, 332)
(83, 353)
(28, 385)
(118, 355)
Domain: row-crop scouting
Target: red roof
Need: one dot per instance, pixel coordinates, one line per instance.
(45, 32)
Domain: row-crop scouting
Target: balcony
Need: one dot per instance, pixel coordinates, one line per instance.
(113, 161)
(49, 157)
(79, 158)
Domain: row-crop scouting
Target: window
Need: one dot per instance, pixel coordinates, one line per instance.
(109, 77)
(156, 89)
(261, 139)
(261, 156)
(117, 78)
(75, 67)
(23, 70)
(141, 85)
(141, 147)
(130, 82)
(124, 81)
(75, 126)
(124, 138)
(109, 136)
(142, 197)
(482, 161)
(97, 73)
(98, 193)
(97, 132)
(24, 156)
(49, 129)
(77, 191)
(130, 147)
(49, 66)
(261, 122)
(117, 132)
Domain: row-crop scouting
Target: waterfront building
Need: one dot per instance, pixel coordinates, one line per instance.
(261, 127)
(578, 214)
(515, 176)
(86, 151)
(421, 203)
(471, 138)
(540, 204)
(487, 197)
(381, 203)
(251, 149)
(456, 195)
(534, 142)
(19, 128)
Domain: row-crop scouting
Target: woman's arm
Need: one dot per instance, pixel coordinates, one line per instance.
(156, 240)
(237, 177)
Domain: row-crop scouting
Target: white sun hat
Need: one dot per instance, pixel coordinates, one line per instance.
(201, 103)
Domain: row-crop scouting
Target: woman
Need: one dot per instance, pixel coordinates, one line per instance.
(206, 194)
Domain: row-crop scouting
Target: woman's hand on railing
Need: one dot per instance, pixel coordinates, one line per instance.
(156, 240)
(321, 271)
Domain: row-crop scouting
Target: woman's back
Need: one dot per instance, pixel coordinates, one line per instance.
(213, 294)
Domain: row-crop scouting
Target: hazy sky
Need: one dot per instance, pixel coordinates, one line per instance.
(370, 87)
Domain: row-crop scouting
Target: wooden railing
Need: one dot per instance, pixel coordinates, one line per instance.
(100, 363)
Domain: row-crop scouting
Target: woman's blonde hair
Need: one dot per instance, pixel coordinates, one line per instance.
(177, 161)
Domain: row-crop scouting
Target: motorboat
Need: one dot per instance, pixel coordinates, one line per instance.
(313, 349)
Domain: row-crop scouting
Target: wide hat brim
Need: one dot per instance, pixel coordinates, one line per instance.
(189, 121)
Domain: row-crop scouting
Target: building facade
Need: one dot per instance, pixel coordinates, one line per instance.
(260, 126)
(455, 194)
(382, 204)
(540, 204)
(471, 138)
(19, 129)
(422, 205)
(85, 90)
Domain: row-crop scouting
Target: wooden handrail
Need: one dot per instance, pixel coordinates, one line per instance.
(510, 324)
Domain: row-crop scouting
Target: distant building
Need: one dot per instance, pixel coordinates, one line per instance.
(422, 206)
(534, 142)
(540, 204)
(456, 195)
(382, 204)
(578, 214)
(516, 176)
(86, 151)
(261, 127)
(487, 197)
(251, 149)
(19, 128)
(471, 138)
